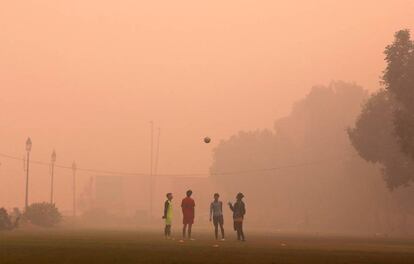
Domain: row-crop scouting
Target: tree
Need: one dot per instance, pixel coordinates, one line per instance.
(293, 176)
(384, 131)
(374, 138)
(235, 165)
(398, 80)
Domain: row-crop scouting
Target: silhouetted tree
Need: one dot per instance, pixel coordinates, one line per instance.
(294, 171)
(374, 138)
(398, 80)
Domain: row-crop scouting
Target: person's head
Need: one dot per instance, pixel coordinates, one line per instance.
(189, 193)
(169, 196)
(216, 196)
(239, 196)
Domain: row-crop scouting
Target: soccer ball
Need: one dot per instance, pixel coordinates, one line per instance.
(207, 140)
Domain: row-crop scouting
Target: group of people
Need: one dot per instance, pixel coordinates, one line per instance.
(216, 215)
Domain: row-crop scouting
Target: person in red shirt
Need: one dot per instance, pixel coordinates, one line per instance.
(187, 206)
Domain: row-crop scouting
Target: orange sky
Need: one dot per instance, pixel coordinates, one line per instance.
(86, 76)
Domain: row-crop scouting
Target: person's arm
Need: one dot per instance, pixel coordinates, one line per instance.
(165, 209)
(231, 207)
(211, 210)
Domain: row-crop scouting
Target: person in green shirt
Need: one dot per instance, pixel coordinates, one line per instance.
(168, 214)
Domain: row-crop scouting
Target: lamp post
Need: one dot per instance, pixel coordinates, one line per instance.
(52, 163)
(28, 149)
(74, 188)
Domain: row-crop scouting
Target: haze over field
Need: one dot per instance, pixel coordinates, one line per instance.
(87, 77)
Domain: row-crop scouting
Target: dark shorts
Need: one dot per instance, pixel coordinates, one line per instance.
(218, 220)
(238, 225)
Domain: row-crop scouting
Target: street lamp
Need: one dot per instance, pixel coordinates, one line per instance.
(28, 149)
(74, 188)
(52, 163)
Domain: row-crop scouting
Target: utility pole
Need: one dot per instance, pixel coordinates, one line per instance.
(52, 164)
(151, 170)
(157, 153)
(74, 188)
(28, 149)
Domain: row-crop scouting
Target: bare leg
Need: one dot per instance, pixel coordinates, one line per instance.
(241, 231)
(189, 230)
(216, 231)
(222, 231)
(184, 229)
(238, 233)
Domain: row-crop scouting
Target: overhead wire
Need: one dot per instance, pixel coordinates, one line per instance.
(123, 173)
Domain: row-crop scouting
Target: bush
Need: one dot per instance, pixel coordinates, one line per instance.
(43, 214)
(5, 222)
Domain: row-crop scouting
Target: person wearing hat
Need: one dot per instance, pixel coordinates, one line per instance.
(216, 214)
(239, 210)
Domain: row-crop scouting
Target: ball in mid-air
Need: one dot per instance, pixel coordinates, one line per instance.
(207, 140)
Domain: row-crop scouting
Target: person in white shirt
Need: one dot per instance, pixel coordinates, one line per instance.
(216, 214)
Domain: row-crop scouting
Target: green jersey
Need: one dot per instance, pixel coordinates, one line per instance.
(168, 212)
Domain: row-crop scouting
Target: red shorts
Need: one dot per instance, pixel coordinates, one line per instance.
(188, 220)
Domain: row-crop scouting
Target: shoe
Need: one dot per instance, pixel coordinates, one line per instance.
(223, 239)
(192, 239)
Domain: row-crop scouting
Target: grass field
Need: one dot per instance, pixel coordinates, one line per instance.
(99, 247)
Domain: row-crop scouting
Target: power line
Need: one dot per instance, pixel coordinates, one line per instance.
(70, 167)
(122, 173)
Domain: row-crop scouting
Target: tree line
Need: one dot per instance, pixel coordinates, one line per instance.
(327, 153)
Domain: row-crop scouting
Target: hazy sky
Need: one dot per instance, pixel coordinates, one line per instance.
(87, 76)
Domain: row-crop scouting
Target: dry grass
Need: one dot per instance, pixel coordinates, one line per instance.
(100, 247)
